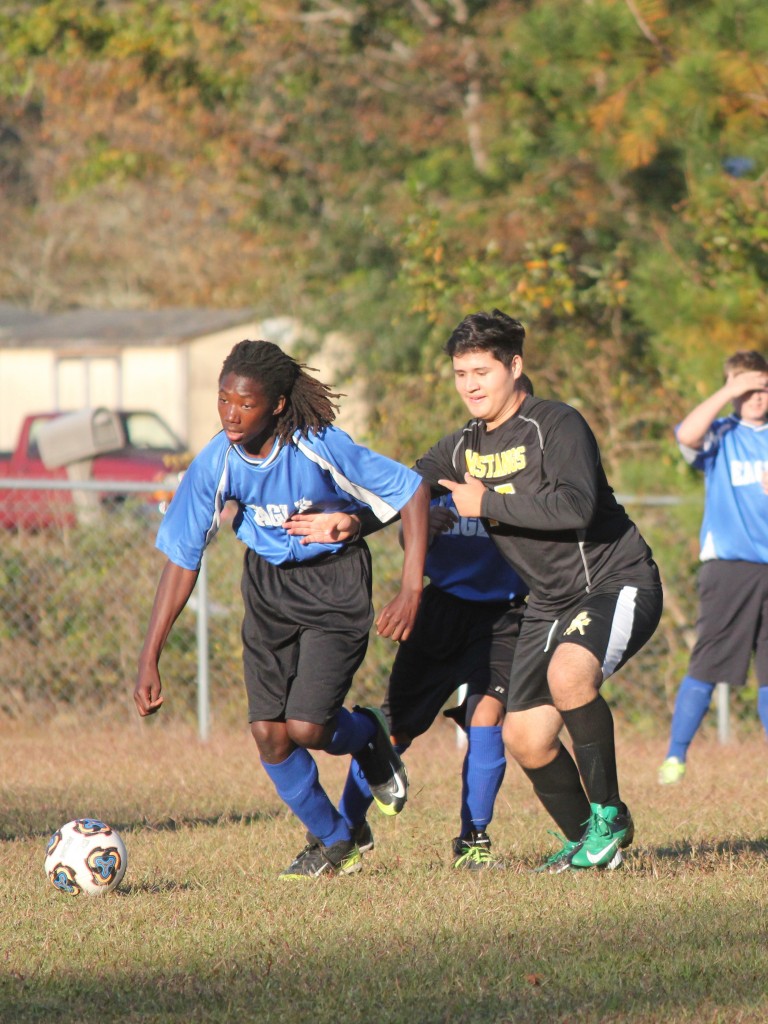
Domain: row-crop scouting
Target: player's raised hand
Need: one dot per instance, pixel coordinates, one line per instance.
(751, 380)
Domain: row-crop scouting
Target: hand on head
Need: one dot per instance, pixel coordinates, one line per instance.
(750, 380)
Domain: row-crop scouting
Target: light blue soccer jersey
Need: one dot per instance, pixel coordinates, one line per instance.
(324, 472)
(465, 562)
(733, 459)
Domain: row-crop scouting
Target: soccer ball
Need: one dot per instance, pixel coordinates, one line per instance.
(87, 856)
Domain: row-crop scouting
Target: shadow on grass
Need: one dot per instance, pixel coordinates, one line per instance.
(727, 846)
(585, 970)
(155, 888)
(44, 831)
(702, 858)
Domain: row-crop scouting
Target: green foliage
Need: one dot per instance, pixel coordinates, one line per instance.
(62, 27)
(105, 163)
(596, 169)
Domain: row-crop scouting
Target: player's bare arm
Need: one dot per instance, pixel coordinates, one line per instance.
(334, 527)
(396, 619)
(693, 428)
(441, 520)
(173, 591)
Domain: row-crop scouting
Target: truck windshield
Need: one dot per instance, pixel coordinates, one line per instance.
(147, 430)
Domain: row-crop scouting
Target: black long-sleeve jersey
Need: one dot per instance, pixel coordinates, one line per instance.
(548, 504)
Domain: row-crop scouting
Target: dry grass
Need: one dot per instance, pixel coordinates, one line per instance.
(201, 930)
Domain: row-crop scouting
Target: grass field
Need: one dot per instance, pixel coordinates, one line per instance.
(201, 930)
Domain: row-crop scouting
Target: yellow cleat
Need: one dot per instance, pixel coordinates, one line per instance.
(671, 771)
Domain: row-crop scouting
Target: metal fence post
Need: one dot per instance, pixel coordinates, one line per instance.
(723, 713)
(203, 690)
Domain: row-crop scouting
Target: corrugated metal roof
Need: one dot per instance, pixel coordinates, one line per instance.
(15, 317)
(20, 328)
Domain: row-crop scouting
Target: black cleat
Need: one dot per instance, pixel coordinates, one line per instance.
(382, 767)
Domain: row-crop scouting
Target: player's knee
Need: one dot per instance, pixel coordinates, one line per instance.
(488, 711)
(272, 740)
(308, 734)
(574, 676)
(531, 743)
(524, 749)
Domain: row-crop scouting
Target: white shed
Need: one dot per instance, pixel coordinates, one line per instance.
(166, 361)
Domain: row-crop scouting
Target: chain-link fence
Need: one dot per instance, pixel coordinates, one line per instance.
(76, 599)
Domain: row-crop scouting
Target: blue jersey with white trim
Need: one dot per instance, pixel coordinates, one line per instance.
(465, 562)
(733, 459)
(323, 472)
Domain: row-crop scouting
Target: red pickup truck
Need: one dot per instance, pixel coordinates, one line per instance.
(149, 452)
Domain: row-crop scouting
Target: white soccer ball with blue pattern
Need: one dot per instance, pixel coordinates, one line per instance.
(85, 856)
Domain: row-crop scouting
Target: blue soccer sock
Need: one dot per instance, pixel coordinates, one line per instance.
(356, 798)
(352, 730)
(465, 816)
(762, 706)
(298, 785)
(482, 775)
(691, 704)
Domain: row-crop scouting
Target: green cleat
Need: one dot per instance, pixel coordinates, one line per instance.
(608, 832)
(561, 859)
(671, 771)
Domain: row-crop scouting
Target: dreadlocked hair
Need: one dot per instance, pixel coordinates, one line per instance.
(308, 402)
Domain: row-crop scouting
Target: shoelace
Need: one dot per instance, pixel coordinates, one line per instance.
(478, 854)
(567, 843)
(597, 826)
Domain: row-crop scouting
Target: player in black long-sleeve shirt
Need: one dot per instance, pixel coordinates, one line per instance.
(531, 469)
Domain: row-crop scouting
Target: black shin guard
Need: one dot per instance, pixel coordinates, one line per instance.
(559, 788)
(591, 729)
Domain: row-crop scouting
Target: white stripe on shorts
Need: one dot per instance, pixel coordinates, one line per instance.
(621, 630)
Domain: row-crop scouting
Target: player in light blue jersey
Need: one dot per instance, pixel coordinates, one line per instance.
(308, 609)
(732, 452)
(464, 637)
